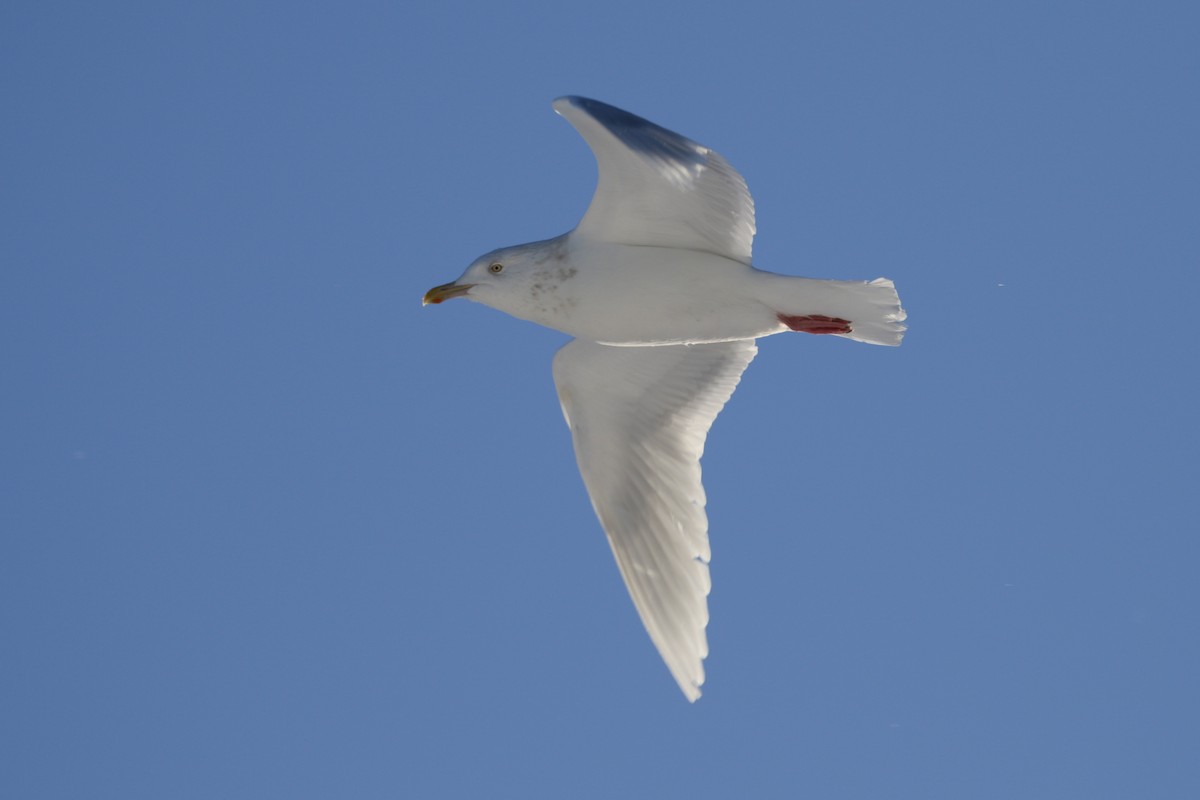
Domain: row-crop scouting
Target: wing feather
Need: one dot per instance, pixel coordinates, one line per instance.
(639, 417)
(658, 188)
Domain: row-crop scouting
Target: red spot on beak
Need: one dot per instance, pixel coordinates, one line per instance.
(815, 323)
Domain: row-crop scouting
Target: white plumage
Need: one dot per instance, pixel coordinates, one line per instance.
(657, 285)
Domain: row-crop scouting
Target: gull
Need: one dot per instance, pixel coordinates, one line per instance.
(656, 286)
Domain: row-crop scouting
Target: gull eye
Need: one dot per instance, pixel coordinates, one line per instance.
(496, 268)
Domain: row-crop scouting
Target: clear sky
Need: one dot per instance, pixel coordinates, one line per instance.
(271, 529)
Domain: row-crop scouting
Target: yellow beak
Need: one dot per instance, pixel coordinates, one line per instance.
(446, 291)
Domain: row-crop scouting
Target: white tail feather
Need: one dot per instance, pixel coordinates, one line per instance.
(871, 307)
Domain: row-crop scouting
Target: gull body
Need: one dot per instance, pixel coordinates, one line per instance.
(639, 295)
(657, 287)
(625, 294)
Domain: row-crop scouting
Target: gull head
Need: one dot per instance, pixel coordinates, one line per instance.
(524, 280)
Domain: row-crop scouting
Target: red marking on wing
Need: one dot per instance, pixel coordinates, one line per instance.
(815, 323)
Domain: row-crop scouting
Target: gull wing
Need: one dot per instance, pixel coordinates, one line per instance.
(638, 418)
(658, 188)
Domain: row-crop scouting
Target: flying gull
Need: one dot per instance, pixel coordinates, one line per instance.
(656, 285)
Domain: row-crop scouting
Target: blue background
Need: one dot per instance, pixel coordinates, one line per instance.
(271, 529)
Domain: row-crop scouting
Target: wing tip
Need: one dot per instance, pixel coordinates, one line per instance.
(568, 101)
(690, 688)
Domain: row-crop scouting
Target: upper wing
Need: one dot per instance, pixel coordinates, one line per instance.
(659, 188)
(639, 417)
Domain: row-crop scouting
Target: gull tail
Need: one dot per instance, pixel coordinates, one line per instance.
(865, 311)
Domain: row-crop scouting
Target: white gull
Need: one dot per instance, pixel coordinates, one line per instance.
(657, 287)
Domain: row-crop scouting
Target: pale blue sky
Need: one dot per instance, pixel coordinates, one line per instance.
(271, 529)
